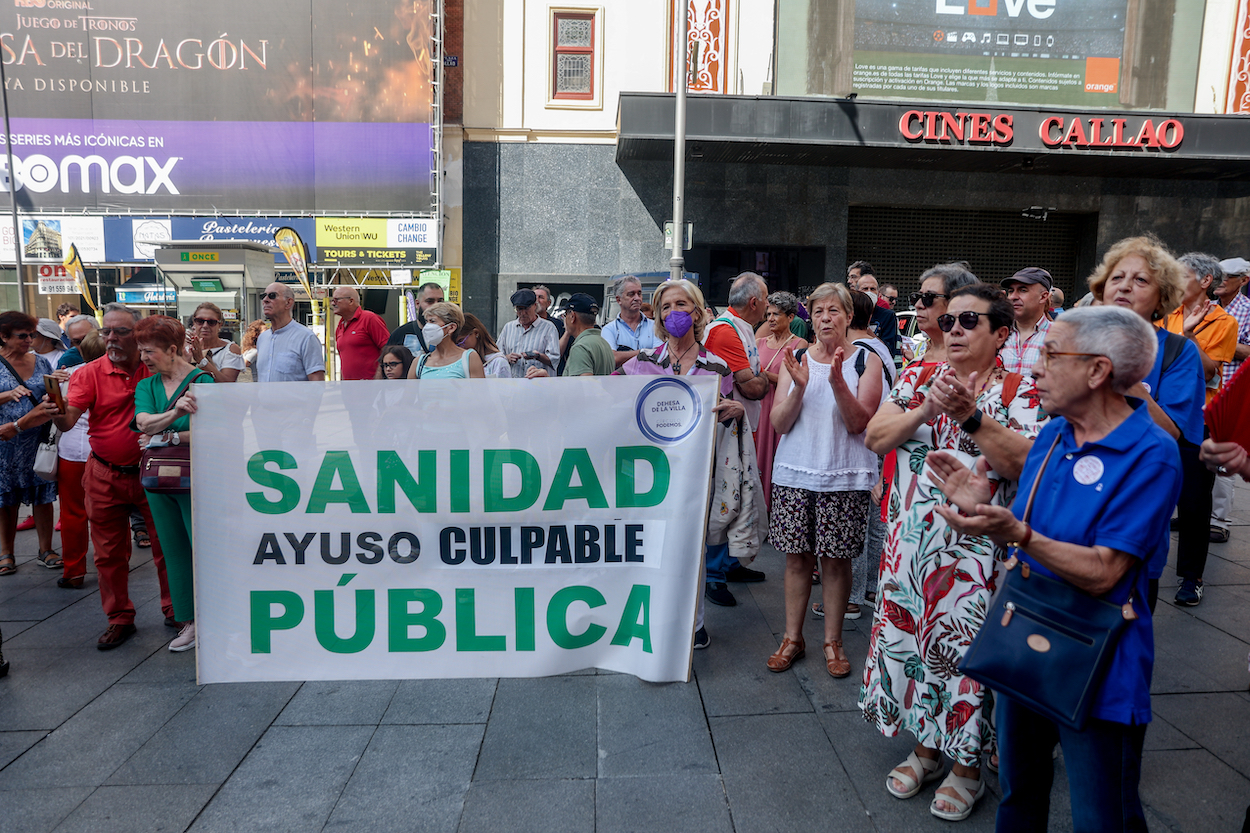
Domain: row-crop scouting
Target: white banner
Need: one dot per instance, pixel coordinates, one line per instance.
(467, 528)
(46, 237)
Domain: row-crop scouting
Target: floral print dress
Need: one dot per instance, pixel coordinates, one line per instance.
(935, 584)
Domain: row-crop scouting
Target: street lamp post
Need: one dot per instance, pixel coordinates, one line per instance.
(677, 261)
(12, 177)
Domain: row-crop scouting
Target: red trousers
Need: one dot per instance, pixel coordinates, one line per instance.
(69, 489)
(110, 496)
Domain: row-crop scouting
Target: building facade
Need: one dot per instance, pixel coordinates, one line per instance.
(1004, 132)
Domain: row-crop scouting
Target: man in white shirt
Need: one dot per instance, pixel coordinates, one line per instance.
(529, 341)
(631, 331)
(287, 351)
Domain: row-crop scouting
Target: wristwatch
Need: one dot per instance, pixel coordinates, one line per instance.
(972, 423)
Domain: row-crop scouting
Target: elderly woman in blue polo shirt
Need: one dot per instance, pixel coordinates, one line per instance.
(1101, 510)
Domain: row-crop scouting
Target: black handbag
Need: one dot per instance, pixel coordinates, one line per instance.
(1046, 643)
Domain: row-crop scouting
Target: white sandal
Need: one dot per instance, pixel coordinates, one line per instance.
(967, 792)
(930, 769)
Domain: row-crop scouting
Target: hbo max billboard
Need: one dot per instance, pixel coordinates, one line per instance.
(285, 105)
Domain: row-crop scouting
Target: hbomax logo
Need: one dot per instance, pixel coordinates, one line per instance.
(125, 174)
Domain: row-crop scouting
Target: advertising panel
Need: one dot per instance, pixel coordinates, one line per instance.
(145, 105)
(45, 238)
(353, 241)
(443, 530)
(1026, 51)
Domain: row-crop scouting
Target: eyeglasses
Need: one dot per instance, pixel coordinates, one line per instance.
(1046, 355)
(925, 298)
(391, 365)
(967, 320)
(205, 322)
(23, 336)
(120, 332)
(270, 296)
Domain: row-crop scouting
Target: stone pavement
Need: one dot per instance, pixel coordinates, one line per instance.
(125, 740)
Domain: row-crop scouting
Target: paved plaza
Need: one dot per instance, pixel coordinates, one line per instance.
(126, 741)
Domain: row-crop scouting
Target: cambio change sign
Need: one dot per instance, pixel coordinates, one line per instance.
(369, 530)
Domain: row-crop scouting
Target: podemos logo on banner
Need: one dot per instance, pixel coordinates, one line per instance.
(449, 528)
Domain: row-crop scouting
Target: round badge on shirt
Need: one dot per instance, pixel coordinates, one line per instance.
(1087, 470)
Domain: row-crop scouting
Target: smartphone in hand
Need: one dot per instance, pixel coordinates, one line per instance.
(53, 388)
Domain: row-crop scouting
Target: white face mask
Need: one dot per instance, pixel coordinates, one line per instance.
(433, 334)
(873, 297)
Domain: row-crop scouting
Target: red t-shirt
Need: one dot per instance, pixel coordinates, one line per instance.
(108, 392)
(359, 340)
(723, 340)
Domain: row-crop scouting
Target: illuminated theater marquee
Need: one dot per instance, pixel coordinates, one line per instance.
(1055, 132)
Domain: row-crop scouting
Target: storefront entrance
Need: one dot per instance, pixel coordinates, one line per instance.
(901, 243)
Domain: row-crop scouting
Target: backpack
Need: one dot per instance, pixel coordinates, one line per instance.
(861, 363)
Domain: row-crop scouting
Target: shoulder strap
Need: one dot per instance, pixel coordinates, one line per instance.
(861, 360)
(1011, 385)
(1028, 506)
(17, 377)
(1173, 344)
(181, 389)
(421, 364)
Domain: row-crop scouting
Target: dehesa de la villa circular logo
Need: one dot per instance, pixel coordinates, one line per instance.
(668, 410)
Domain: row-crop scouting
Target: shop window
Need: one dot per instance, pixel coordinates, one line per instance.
(576, 57)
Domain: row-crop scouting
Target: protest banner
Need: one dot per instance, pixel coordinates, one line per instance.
(449, 528)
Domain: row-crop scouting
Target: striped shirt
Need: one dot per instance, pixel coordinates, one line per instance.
(1238, 308)
(540, 337)
(1018, 354)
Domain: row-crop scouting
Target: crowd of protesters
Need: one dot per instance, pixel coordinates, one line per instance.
(889, 467)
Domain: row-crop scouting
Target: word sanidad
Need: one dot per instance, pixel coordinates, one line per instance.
(574, 479)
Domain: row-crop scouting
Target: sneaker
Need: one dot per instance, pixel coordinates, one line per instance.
(852, 611)
(185, 640)
(1190, 593)
(1219, 535)
(718, 594)
(115, 635)
(744, 574)
(701, 639)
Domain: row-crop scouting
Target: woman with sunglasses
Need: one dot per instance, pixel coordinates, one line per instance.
(935, 584)
(207, 350)
(21, 391)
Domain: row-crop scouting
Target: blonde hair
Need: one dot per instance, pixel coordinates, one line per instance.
(1168, 273)
(839, 292)
(448, 313)
(693, 293)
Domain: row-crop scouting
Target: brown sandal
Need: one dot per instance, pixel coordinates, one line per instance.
(786, 654)
(837, 666)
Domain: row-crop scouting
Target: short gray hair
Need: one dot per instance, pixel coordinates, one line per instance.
(1120, 334)
(116, 307)
(954, 275)
(618, 288)
(784, 301)
(746, 286)
(1204, 264)
(78, 319)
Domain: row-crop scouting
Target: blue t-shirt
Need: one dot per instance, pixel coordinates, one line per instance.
(1182, 394)
(1117, 492)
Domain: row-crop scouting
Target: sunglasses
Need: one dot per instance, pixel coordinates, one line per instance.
(925, 298)
(967, 320)
(270, 296)
(120, 332)
(205, 322)
(22, 336)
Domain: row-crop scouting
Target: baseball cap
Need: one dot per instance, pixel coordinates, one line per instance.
(48, 327)
(523, 298)
(1235, 266)
(580, 302)
(1030, 274)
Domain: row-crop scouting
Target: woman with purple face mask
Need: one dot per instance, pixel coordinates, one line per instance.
(679, 321)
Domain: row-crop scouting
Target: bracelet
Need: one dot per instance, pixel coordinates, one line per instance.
(1024, 539)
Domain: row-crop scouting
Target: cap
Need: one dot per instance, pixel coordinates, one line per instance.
(1030, 274)
(523, 298)
(48, 327)
(580, 302)
(1235, 266)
